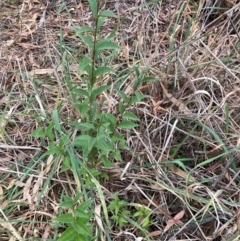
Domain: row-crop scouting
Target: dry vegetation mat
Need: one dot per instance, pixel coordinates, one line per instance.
(119, 120)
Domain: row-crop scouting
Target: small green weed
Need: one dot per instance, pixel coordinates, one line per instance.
(122, 214)
(77, 221)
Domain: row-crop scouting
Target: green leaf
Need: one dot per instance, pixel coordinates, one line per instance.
(82, 140)
(94, 7)
(123, 95)
(127, 125)
(131, 116)
(137, 72)
(104, 146)
(83, 228)
(105, 44)
(137, 98)
(38, 132)
(111, 118)
(66, 199)
(106, 162)
(108, 13)
(81, 92)
(96, 92)
(145, 222)
(85, 126)
(53, 149)
(87, 40)
(77, 197)
(67, 204)
(117, 137)
(82, 215)
(91, 143)
(83, 29)
(148, 79)
(136, 84)
(84, 205)
(83, 64)
(100, 22)
(117, 155)
(65, 218)
(103, 70)
(56, 120)
(66, 165)
(68, 234)
(121, 107)
(49, 131)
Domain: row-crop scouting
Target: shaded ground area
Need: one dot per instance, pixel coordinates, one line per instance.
(184, 159)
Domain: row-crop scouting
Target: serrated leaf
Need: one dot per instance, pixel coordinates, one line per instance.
(127, 125)
(108, 13)
(103, 70)
(65, 218)
(94, 7)
(131, 116)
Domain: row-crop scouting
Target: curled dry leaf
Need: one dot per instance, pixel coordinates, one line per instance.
(175, 220)
(154, 234)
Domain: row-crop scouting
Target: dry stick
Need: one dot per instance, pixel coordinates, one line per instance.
(219, 61)
(3, 146)
(218, 179)
(233, 25)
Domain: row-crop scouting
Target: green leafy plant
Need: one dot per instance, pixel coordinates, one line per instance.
(95, 140)
(77, 221)
(122, 214)
(143, 216)
(99, 142)
(118, 208)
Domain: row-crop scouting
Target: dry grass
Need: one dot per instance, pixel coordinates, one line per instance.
(185, 165)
